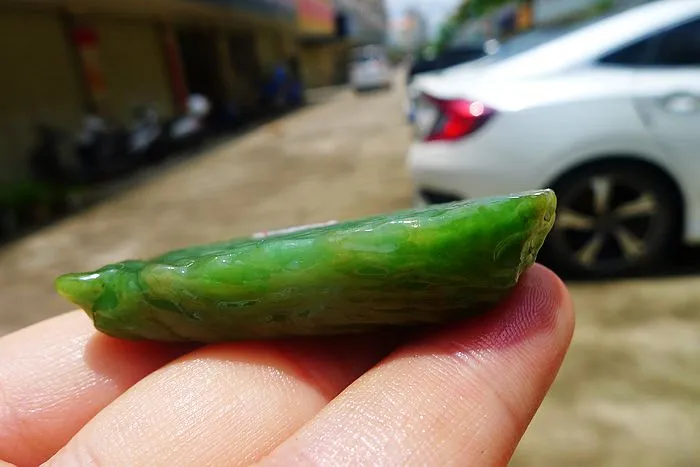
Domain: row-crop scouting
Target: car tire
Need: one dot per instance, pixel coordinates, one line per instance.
(614, 219)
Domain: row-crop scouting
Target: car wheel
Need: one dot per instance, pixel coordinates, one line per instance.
(613, 220)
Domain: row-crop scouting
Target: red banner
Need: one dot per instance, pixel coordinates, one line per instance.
(316, 17)
(87, 42)
(175, 69)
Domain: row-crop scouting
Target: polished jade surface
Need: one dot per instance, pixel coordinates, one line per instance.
(420, 266)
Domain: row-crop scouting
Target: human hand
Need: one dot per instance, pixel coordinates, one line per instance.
(460, 395)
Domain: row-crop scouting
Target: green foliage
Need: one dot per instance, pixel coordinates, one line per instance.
(465, 12)
(602, 6)
(599, 8)
(22, 194)
(395, 55)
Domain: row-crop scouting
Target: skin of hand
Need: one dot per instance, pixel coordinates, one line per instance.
(461, 394)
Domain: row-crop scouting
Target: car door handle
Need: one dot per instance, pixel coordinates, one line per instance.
(681, 103)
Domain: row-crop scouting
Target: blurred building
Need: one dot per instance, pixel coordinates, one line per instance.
(363, 22)
(515, 16)
(62, 58)
(411, 30)
(319, 42)
(355, 22)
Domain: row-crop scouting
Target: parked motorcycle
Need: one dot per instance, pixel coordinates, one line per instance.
(189, 130)
(282, 91)
(102, 149)
(147, 137)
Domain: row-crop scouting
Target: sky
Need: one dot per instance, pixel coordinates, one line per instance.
(435, 11)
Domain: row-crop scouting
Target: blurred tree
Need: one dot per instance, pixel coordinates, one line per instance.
(602, 6)
(473, 9)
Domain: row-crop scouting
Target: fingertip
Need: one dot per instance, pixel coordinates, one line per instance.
(463, 393)
(538, 307)
(544, 297)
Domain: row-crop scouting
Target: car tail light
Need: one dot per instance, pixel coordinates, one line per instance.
(449, 119)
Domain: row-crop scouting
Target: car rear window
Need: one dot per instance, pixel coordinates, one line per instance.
(366, 54)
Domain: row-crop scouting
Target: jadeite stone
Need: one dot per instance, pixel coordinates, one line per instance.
(420, 266)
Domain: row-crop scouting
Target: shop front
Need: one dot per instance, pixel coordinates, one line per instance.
(65, 59)
(129, 57)
(318, 42)
(39, 85)
(241, 53)
(364, 22)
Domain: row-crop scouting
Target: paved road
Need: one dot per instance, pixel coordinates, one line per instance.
(629, 392)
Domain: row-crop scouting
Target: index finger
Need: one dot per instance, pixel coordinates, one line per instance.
(57, 374)
(461, 395)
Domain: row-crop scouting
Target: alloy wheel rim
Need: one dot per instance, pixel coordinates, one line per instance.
(607, 223)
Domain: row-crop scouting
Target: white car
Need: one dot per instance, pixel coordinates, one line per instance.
(608, 115)
(370, 69)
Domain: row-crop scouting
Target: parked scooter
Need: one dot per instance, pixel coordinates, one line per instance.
(90, 147)
(189, 130)
(146, 137)
(45, 162)
(282, 91)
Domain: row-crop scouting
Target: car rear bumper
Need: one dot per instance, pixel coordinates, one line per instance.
(444, 172)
